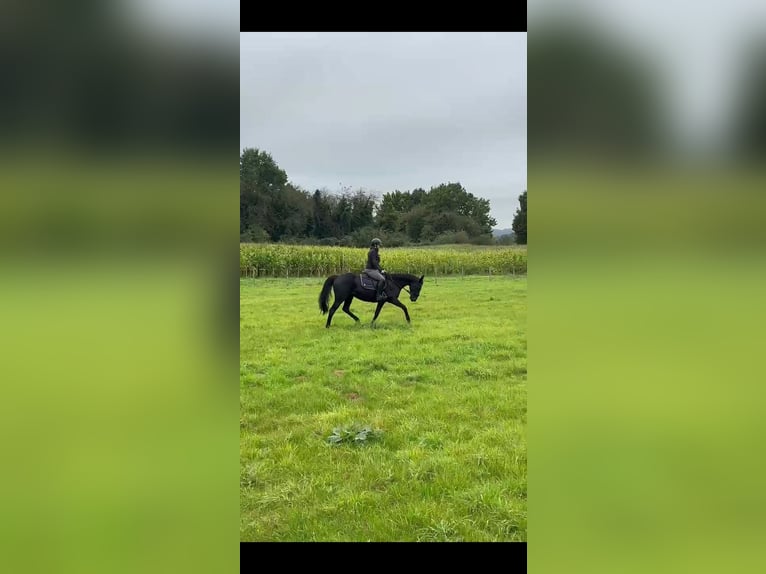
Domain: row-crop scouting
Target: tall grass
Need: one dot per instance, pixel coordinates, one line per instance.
(270, 260)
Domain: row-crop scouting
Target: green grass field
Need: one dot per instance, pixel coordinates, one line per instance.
(445, 400)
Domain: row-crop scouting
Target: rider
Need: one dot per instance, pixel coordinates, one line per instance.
(373, 268)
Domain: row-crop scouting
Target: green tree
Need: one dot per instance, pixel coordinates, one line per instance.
(342, 215)
(519, 225)
(414, 222)
(273, 209)
(392, 207)
(453, 199)
(321, 215)
(508, 239)
(261, 184)
(749, 122)
(591, 96)
(362, 207)
(258, 168)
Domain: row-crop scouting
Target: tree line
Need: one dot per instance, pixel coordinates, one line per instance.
(272, 209)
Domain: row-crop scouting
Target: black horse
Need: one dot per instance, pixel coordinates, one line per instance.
(349, 285)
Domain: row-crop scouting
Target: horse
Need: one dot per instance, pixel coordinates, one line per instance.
(349, 285)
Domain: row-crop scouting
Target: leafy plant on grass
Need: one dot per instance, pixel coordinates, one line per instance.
(354, 434)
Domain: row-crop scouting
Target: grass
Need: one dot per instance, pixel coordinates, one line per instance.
(469, 247)
(277, 260)
(442, 405)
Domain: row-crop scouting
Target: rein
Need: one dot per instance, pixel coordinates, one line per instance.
(402, 288)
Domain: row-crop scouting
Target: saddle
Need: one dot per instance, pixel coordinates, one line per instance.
(367, 282)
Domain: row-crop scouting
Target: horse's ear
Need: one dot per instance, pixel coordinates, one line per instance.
(421, 278)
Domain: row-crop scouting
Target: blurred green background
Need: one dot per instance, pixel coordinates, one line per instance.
(646, 282)
(117, 324)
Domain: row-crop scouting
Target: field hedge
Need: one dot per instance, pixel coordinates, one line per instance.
(270, 260)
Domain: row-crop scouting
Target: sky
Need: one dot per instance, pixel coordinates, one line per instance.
(695, 48)
(387, 111)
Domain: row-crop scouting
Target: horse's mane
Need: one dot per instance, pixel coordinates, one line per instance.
(404, 276)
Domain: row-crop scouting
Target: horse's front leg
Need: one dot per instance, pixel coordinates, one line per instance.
(402, 307)
(377, 312)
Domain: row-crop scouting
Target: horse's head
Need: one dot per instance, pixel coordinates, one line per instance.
(415, 288)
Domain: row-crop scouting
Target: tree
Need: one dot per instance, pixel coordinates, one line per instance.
(342, 215)
(452, 198)
(362, 205)
(258, 168)
(519, 225)
(321, 212)
(414, 222)
(447, 207)
(271, 208)
(749, 122)
(261, 190)
(591, 96)
(392, 207)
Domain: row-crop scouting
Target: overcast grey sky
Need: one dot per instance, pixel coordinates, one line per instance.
(386, 111)
(698, 66)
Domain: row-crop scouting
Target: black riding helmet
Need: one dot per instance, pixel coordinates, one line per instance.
(376, 242)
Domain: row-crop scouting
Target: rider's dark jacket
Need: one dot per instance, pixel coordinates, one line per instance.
(373, 260)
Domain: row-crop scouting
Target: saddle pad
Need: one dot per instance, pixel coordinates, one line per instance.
(366, 282)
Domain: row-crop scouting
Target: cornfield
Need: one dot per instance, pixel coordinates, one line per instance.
(268, 260)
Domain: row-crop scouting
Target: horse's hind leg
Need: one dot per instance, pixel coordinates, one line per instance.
(340, 295)
(347, 308)
(334, 308)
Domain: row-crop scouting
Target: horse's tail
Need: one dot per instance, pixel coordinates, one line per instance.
(325, 294)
